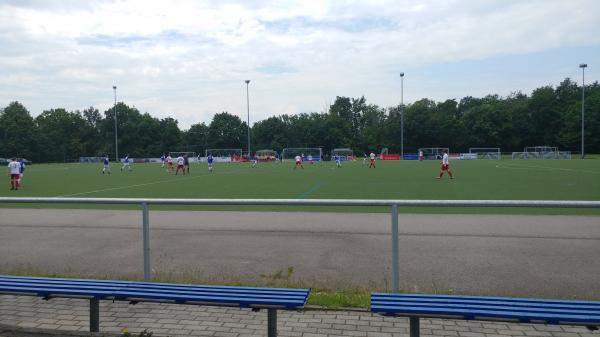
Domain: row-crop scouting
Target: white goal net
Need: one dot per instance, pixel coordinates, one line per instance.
(307, 153)
(433, 152)
(344, 153)
(486, 152)
(541, 152)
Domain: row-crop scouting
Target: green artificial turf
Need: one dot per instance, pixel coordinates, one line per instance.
(476, 179)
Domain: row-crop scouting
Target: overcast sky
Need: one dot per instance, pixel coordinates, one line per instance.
(189, 59)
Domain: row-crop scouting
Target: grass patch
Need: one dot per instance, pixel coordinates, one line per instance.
(477, 179)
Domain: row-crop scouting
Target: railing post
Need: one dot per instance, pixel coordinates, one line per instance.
(146, 234)
(395, 254)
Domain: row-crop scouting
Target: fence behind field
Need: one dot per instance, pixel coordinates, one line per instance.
(393, 204)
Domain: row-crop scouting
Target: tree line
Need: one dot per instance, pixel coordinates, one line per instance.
(549, 116)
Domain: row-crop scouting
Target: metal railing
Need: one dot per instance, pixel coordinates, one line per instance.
(393, 204)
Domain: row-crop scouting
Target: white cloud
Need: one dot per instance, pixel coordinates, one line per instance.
(188, 59)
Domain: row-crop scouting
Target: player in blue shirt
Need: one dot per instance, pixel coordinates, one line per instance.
(209, 159)
(338, 160)
(162, 160)
(21, 170)
(126, 163)
(106, 163)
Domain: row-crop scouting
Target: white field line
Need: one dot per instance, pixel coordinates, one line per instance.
(139, 185)
(527, 167)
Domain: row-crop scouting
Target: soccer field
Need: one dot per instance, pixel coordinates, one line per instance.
(476, 179)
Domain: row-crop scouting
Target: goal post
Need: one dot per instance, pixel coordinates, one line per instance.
(541, 152)
(486, 152)
(307, 153)
(433, 153)
(224, 155)
(344, 153)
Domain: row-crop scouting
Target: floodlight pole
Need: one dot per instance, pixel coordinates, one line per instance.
(116, 136)
(248, 106)
(402, 115)
(582, 66)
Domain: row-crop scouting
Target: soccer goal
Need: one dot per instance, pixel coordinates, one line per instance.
(224, 155)
(266, 155)
(486, 152)
(541, 152)
(192, 156)
(344, 153)
(307, 153)
(432, 153)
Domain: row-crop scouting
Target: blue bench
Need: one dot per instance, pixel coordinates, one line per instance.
(134, 292)
(506, 309)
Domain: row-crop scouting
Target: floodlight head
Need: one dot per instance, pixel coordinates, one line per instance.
(114, 87)
(401, 74)
(583, 65)
(247, 81)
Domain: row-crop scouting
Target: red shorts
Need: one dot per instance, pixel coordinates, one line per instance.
(15, 176)
(445, 167)
(298, 162)
(180, 167)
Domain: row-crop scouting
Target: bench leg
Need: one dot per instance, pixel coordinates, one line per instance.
(272, 322)
(94, 315)
(414, 327)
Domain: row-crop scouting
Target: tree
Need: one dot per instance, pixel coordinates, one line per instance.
(61, 135)
(226, 131)
(17, 132)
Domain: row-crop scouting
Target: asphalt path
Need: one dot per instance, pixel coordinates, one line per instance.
(515, 255)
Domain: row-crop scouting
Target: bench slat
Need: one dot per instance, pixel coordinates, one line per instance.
(481, 307)
(491, 305)
(242, 301)
(230, 295)
(472, 314)
(480, 298)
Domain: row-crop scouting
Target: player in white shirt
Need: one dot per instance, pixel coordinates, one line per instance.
(445, 166)
(126, 163)
(298, 162)
(180, 165)
(372, 157)
(14, 172)
(421, 155)
(169, 163)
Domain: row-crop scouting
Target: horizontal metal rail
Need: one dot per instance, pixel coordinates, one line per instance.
(392, 203)
(313, 202)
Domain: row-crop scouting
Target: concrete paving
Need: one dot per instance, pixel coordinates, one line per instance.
(22, 316)
(516, 255)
